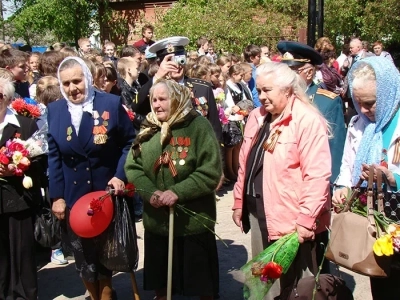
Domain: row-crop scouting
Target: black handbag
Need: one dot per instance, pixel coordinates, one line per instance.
(232, 134)
(47, 230)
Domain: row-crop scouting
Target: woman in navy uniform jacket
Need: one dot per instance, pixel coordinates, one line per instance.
(90, 135)
(18, 276)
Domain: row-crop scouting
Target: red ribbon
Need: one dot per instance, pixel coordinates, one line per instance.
(165, 159)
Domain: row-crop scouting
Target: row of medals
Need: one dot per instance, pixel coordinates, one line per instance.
(179, 152)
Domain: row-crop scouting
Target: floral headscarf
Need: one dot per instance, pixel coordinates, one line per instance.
(76, 110)
(181, 109)
(387, 104)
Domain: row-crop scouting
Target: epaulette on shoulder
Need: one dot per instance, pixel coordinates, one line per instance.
(327, 93)
(200, 82)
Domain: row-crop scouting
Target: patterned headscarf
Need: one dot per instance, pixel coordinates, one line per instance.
(387, 104)
(180, 108)
(76, 110)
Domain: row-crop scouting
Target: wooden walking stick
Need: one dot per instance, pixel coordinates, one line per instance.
(135, 287)
(170, 252)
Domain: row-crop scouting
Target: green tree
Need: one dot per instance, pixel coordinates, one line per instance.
(231, 25)
(68, 20)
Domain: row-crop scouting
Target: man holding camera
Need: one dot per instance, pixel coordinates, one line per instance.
(171, 55)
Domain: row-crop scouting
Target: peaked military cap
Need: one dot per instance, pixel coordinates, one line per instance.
(172, 45)
(297, 54)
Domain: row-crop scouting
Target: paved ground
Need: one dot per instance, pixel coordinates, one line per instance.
(62, 282)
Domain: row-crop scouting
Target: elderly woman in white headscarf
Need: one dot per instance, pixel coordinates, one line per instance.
(175, 160)
(89, 137)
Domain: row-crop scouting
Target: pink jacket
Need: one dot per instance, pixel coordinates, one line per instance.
(296, 174)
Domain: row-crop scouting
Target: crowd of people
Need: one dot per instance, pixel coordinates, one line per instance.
(290, 129)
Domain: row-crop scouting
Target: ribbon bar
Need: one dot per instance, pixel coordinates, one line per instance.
(165, 159)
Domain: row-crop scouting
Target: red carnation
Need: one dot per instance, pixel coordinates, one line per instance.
(272, 270)
(4, 159)
(33, 110)
(96, 205)
(130, 189)
(15, 146)
(18, 105)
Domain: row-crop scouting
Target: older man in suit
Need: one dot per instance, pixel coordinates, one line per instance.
(357, 53)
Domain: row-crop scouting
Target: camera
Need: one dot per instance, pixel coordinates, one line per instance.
(180, 59)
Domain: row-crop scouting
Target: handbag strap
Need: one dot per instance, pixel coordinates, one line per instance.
(380, 194)
(354, 193)
(370, 197)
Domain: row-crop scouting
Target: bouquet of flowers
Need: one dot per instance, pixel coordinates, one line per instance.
(263, 270)
(16, 155)
(219, 100)
(27, 108)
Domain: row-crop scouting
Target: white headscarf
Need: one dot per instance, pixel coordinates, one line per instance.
(76, 110)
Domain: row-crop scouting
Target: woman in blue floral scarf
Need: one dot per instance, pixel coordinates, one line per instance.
(373, 139)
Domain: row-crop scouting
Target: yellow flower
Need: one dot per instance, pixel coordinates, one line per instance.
(393, 230)
(17, 156)
(384, 246)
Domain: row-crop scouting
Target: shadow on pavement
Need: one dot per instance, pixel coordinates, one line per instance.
(349, 279)
(231, 259)
(62, 280)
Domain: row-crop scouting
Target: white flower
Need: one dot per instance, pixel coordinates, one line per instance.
(27, 182)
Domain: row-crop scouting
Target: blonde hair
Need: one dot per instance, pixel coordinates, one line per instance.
(246, 67)
(6, 74)
(198, 71)
(48, 90)
(8, 88)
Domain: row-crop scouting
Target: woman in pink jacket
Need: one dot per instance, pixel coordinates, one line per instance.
(285, 166)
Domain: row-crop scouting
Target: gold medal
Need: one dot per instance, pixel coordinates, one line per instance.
(100, 139)
(182, 162)
(105, 123)
(69, 138)
(186, 149)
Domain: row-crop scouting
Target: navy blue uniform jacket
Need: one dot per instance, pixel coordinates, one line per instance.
(79, 166)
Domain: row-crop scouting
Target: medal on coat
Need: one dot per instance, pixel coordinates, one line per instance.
(180, 149)
(105, 116)
(100, 131)
(69, 132)
(100, 136)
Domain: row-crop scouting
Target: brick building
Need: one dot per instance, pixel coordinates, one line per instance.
(128, 17)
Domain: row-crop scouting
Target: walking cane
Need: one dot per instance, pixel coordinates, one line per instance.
(170, 252)
(135, 287)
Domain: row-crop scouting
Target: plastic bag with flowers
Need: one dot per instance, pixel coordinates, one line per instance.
(263, 270)
(17, 154)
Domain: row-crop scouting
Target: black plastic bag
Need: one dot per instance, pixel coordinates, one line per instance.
(118, 245)
(47, 228)
(232, 134)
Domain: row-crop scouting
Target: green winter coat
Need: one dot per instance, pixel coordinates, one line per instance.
(194, 184)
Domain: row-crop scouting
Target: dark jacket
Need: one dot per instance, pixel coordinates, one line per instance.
(13, 196)
(77, 165)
